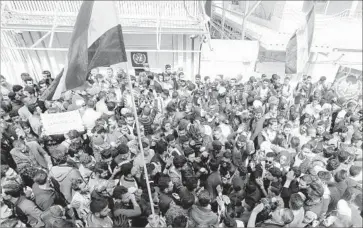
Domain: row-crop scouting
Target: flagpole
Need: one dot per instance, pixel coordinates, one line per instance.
(138, 129)
(140, 142)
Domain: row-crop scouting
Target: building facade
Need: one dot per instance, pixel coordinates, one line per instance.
(337, 37)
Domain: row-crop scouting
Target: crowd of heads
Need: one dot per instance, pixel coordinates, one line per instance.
(173, 152)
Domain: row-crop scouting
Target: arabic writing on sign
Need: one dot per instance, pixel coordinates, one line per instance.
(60, 123)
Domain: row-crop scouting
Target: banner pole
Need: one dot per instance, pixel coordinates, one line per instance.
(137, 125)
(139, 138)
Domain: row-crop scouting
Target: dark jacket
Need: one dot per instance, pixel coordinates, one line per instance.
(44, 198)
(213, 181)
(31, 210)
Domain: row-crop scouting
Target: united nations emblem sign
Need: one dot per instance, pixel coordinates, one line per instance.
(139, 59)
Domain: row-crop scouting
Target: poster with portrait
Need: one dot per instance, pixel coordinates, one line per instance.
(138, 59)
(348, 83)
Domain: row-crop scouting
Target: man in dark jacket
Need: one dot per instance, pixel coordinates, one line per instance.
(214, 179)
(44, 192)
(25, 209)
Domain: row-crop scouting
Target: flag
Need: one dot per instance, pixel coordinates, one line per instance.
(205, 7)
(304, 40)
(96, 41)
(310, 21)
(208, 8)
(291, 56)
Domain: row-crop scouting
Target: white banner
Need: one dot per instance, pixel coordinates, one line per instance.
(60, 123)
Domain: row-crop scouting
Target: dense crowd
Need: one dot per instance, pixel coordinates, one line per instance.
(217, 153)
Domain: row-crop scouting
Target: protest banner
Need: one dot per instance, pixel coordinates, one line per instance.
(60, 123)
(348, 83)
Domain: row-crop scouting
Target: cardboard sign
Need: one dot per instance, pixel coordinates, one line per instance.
(60, 123)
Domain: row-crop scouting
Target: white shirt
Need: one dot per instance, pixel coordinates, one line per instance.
(118, 94)
(101, 107)
(35, 124)
(89, 118)
(24, 113)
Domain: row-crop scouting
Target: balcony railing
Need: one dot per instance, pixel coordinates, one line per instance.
(167, 14)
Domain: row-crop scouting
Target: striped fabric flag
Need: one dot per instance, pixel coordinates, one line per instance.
(310, 18)
(96, 41)
(205, 7)
(291, 56)
(208, 8)
(304, 40)
(299, 45)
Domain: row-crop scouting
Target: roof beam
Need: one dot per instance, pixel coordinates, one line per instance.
(247, 14)
(127, 50)
(125, 30)
(54, 24)
(40, 40)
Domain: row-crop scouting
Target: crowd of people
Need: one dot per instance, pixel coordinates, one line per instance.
(216, 153)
